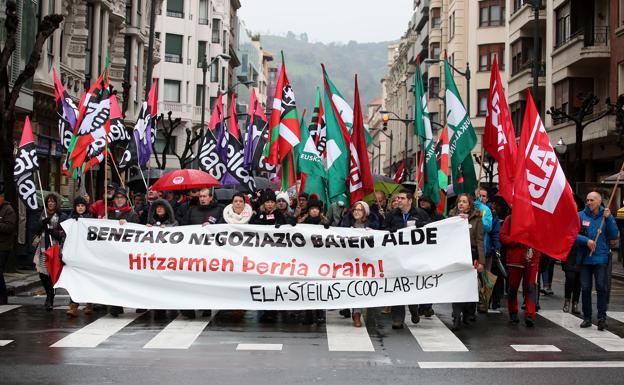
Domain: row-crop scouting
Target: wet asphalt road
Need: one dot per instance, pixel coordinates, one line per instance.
(148, 351)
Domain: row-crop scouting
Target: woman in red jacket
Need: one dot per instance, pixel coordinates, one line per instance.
(522, 265)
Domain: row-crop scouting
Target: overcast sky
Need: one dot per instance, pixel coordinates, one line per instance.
(329, 20)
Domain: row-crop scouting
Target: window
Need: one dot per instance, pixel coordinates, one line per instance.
(487, 52)
(434, 117)
(173, 48)
(223, 78)
(159, 143)
(522, 55)
(491, 13)
(451, 25)
(562, 26)
(482, 98)
(214, 72)
(175, 8)
(435, 50)
(436, 19)
(198, 94)
(224, 41)
(201, 53)
(516, 111)
(203, 12)
(172, 91)
(213, 102)
(434, 88)
(620, 89)
(569, 94)
(216, 30)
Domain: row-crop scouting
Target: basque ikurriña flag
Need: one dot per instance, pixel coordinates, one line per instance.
(544, 214)
(26, 164)
(499, 137)
(284, 130)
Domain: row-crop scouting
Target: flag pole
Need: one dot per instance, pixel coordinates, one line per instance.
(45, 209)
(602, 221)
(481, 162)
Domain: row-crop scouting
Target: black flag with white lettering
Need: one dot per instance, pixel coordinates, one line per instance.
(26, 164)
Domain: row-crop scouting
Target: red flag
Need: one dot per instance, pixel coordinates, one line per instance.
(442, 155)
(499, 137)
(53, 262)
(216, 119)
(398, 176)
(360, 175)
(421, 164)
(233, 122)
(544, 213)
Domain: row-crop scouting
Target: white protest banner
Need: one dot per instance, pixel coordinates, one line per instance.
(262, 267)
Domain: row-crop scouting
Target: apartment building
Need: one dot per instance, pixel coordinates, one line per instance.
(191, 30)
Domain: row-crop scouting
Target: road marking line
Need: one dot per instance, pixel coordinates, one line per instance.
(5, 342)
(275, 347)
(96, 332)
(521, 364)
(604, 339)
(535, 348)
(342, 336)
(433, 336)
(178, 334)
(6, 308)
(616, 315)
(492, 311)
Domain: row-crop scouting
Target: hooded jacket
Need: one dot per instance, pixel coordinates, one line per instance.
(589, 228)
(167, 220)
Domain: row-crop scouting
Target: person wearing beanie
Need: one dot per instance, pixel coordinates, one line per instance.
(283, 206)
(314, 215)
(302, 204)
(98, 208)
(268, 213)
(79, 211)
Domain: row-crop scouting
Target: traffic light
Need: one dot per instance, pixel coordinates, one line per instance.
(385, 119)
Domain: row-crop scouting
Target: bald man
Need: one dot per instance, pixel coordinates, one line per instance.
(593, 256)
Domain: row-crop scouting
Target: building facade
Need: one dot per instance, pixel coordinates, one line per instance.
(191, 30)
(580, 52)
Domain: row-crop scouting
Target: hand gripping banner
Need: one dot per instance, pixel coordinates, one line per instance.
(260, 267)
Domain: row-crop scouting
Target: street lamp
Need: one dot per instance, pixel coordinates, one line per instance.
(561, 147)
(246, 83)
(378, 147)
(389, 136)
(407, 122)
(465, 74)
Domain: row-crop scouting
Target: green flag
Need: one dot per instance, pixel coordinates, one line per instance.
(422, 124)
(462, 138)
(337, 141)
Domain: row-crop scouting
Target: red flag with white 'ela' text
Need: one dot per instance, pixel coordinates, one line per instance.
(544, 214)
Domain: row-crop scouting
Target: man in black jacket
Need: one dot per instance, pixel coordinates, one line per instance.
(403, 216)
(207, 212)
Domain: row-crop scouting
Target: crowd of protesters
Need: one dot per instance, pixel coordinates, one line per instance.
(492, 247)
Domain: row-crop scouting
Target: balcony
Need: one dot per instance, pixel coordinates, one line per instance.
(582, 48)
(173, 58)
(176, 14)
(522, 20)
(522, 77)
(421, 16)
(178, 110)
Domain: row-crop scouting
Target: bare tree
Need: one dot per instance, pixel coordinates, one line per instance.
(167, 127)
(8, 95)
(582, 118)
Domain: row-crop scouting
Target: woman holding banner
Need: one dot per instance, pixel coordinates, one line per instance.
(466, 209)
(79, 211)
(360, 217)
(50, 234)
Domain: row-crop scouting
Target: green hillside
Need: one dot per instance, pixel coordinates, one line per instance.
(342, 61)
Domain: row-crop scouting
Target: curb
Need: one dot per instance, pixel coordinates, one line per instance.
(618, 276)
(23, 283)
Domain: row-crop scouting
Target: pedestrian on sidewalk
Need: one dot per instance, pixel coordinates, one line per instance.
(8, 226)
(522, 266)
(572, 288)
(49, 234)
(465, 311)
(403, 216)
(593, 256)
(79, 211)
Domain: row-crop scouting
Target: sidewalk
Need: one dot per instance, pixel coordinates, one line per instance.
(618, 270)
(22, 282)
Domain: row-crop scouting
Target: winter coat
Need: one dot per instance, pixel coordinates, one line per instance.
(97, 208)
(200, 214)
(229, 216)
(487, 219)
(476, 234)
(167, 220)
(274, 218)
(396, 220)
(51, 233)
(516, 252)
(75, 215)
(494, 237)
(372, 222)
(8, 225)
(125, 212)
(319, 220)
(589, 228)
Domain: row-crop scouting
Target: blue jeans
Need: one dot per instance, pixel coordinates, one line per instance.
(599, 274)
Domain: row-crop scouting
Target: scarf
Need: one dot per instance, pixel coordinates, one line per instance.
(231, 217)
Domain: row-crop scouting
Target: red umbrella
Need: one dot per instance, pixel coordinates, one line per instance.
(185, 179)
(53, 262)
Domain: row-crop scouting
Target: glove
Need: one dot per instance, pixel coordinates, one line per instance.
(46, 221)
(277, 225)
(326, 226)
